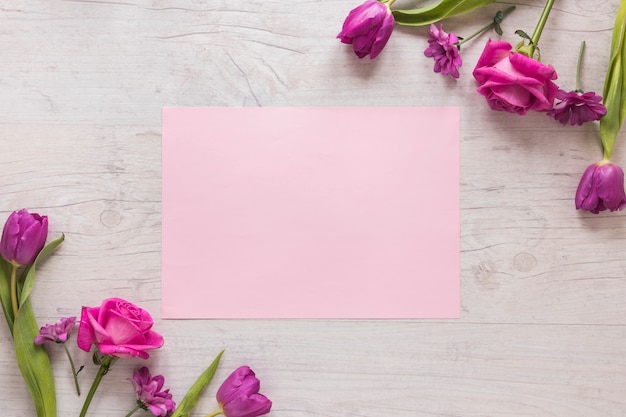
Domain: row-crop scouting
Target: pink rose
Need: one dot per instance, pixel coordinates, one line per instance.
(118, 328)
(513, 82)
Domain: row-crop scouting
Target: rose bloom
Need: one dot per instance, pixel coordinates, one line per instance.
(601, 187)
(513, 82)
(368, 28)
(118, 328)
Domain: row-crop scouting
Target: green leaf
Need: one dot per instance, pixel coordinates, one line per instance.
(193, 395)
(498, 29)
(436, 12)
(29, 281)
(33, 362)
(5, 292)
(615, 85)
(524, 35)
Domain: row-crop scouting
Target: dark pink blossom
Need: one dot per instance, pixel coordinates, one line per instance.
(577, 108)
(443, 48)
(601, 187)
(239, 396)
(57, 332)
(513, 82)
(23, 237)
(367, 28)
(150, 395)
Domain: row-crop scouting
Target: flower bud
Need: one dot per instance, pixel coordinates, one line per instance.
(367, 28)
(23, 237)
(239, 395)
(601, 187)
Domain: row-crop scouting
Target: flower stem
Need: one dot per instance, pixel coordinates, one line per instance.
(14, 290)
(74, 373)
(214, 413)
(104, 368)
(389, 2)
(540, 24)
(133, 411)
(580, 61)
(487, 26)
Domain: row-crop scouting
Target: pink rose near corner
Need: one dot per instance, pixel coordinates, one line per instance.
(513, 82)
(118, 328)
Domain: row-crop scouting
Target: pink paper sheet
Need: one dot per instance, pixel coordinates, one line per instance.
(310, 213)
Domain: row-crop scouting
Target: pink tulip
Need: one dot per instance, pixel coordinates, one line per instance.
(368, 28)
(23, 237)
(601, 187)
(239, 395)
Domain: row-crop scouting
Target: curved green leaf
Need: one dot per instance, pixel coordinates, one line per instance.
(615, 85)
(436, 12)
(5, 292)
(193, 395)
(33, 362)
(29, 281)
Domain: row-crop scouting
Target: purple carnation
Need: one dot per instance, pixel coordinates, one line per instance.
(577, 108)
(57, 332)
(149, 394)
(442, 47)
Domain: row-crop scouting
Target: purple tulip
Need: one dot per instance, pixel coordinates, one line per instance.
(23, 237)
(601, 187)
(239, 395)
(368, 28)
(57, 332)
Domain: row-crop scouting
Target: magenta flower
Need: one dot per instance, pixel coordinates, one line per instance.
(57, 332)
(239, 395)
(368, 28)
(443, 48)
(150, 396)
(118, 328)
(601, 187)
(23, 237)
(513, 82)
(577, 107)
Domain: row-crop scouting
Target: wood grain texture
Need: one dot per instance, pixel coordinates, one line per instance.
(543, 328)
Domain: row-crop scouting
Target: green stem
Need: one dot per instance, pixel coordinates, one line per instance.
(107, 361)
(580, 62)
(73, 369)
(540, 24)
(389, 2)
(133, 411)
(214, 413)
(487, 26)
(14, 290)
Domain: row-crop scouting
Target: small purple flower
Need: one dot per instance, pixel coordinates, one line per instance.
(58, 332)
(23, 237)
(368, 28)
(577, 108)
(601, 187)
(149, 394)
(443, 48)
(239, 396)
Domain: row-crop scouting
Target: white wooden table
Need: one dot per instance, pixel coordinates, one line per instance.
(542, 330)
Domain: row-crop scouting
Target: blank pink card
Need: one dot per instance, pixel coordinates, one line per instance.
(311, 212)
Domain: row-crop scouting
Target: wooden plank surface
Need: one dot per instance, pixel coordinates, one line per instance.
(542, 330)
